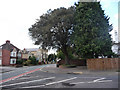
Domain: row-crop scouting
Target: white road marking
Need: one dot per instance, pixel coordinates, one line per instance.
(94, 81)
(105, 81)
(27, 82)
(98, 79)
(50, 83)
(88, 77)
(61, 81)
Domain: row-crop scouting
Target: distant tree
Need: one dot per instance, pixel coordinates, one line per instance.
(91, 36)
(52, 57)
(33, 60)
(54, 29)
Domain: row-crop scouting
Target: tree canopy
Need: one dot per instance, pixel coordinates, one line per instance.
(54, 29)
(91, 36)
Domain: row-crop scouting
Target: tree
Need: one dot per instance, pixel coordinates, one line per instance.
(33, 60)
(91, 36)
(52, 57)
(54, 29)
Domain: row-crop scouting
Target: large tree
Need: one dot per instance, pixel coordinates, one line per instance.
(91, 36)
(54, 29)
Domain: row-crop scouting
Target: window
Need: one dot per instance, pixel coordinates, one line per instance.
(13, 54)
(13, 61)
(0, 61)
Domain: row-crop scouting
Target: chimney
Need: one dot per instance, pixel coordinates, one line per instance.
(8, 41)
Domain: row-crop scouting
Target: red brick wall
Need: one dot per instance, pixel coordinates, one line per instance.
(5, 57)
(74, 62)
(103, 64)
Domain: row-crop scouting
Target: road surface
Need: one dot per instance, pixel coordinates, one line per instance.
(35, 77)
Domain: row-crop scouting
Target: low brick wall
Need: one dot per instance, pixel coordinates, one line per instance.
(103, 64)
(74, 62)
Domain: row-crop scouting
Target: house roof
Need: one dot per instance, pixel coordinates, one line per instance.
(32, 49)
(9, 46)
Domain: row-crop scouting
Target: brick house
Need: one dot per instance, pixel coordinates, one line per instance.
(9, 54)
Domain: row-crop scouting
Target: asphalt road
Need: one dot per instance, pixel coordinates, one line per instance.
(34, 77)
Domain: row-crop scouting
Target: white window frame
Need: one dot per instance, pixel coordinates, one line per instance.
(13, 59)
(0, 61)
(13, 54)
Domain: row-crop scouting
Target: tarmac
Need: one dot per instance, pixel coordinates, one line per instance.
(53, 69)
(82, 70)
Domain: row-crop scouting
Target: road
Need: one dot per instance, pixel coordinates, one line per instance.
(34, 77)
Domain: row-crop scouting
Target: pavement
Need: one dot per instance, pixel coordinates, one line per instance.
(4, 69)
(77, 70)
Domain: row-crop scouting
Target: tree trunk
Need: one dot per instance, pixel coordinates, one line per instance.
(64, 50)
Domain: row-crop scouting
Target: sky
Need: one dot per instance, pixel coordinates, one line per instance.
(17, 16)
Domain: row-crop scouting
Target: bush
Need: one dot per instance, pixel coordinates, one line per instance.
(33, 60)
(27, 63)
(19, 61)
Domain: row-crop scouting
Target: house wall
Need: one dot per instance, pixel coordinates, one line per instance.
(25, 56)
(5, 57)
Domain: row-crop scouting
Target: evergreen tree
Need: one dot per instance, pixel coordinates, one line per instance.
(91, 36)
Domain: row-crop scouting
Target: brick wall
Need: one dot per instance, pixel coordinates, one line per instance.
(74, 62)
(5, 57)
(103, 64)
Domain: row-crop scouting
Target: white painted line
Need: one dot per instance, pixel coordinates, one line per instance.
(89, 77)
(61, 81)
(78, 83)
(98, 79)
(27, 82)
(94, 81)
(50, 83)
(34, 86)
(105, 81)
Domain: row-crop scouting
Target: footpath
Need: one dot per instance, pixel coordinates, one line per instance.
(53, 69)
(82, 70)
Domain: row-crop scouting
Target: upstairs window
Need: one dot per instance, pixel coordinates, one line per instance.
(13, 54)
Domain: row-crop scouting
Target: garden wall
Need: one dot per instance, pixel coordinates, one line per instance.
(103, 64)
(81, 62)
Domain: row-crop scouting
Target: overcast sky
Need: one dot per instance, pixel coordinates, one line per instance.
(16, 16)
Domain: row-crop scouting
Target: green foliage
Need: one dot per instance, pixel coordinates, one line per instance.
(91, 36)
(60, 55)
(54, 29)
(70, 54)
(52, 57)
(19, 61)
(27, 63)
(33, 60)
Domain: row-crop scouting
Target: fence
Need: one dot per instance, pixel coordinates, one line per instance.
(103, 64)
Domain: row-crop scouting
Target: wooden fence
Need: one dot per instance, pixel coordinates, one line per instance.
(103, 64)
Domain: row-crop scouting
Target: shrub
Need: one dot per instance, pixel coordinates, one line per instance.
(19, 61)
